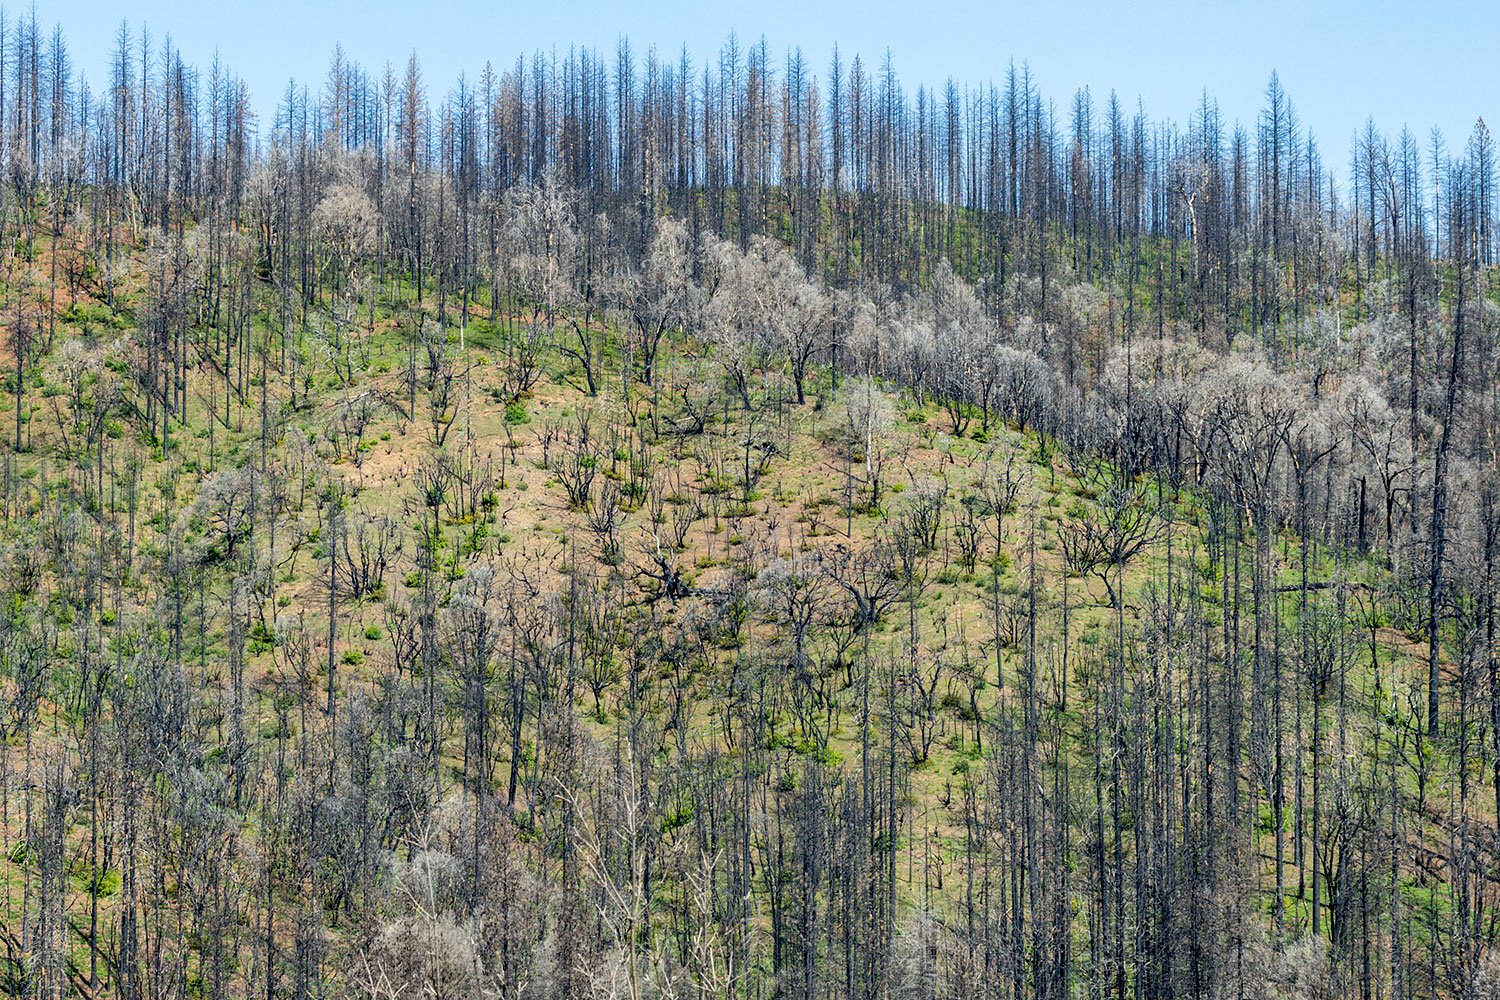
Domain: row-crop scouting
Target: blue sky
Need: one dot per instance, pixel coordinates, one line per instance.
(1414, 63)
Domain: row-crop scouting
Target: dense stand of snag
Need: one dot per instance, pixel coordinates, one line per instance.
(646, 528)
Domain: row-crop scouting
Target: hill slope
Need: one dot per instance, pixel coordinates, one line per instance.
(378, 652)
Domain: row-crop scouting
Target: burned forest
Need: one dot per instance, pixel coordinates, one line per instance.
(737, 525)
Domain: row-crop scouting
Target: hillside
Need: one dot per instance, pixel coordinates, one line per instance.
(677, 679)
(655, 530)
